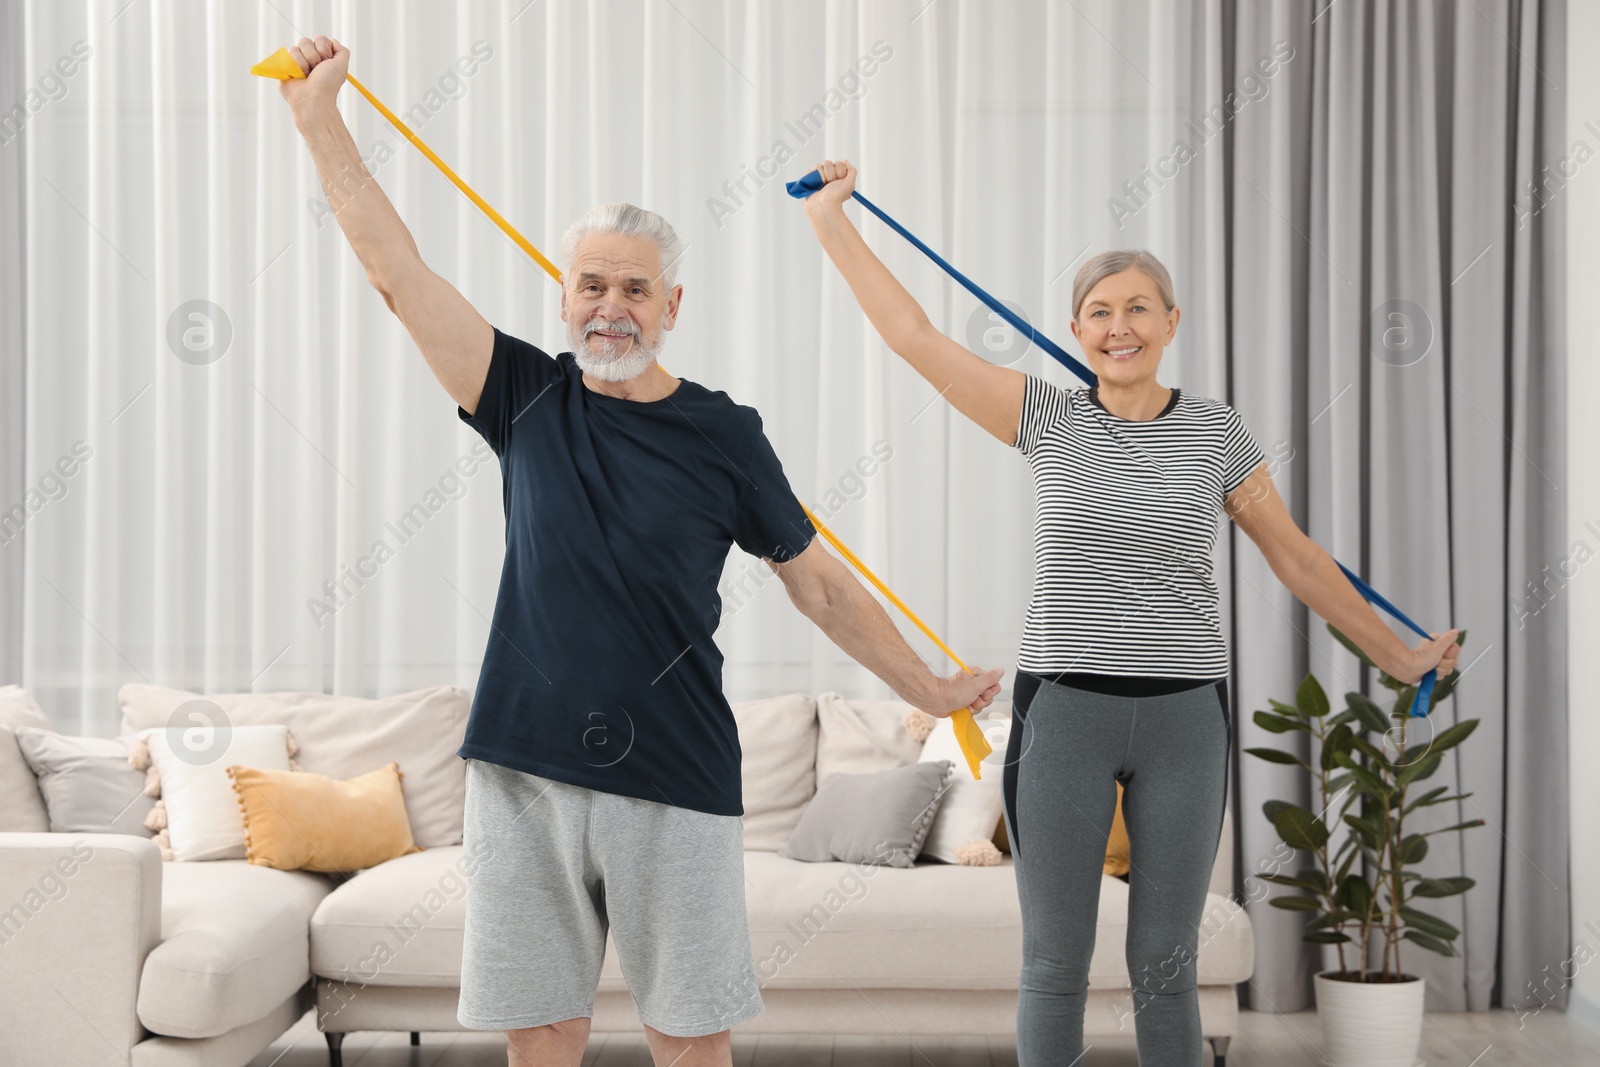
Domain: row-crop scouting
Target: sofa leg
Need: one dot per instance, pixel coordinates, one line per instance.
(416, 1038)
(335, 1057)
(1220, 1046)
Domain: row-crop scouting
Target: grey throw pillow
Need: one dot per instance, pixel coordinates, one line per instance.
(88, 785)
(21, 807)
(871, 818)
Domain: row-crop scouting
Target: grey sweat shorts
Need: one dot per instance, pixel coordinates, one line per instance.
(561, 865)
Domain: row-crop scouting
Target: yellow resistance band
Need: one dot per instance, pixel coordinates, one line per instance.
(281, 65)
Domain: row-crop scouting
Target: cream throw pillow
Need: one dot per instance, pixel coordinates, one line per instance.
(971, 807)
(203, 818)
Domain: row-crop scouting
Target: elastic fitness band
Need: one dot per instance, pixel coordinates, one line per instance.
(1421, 702)
(974, 746)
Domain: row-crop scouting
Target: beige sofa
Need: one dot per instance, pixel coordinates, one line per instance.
(111, 956)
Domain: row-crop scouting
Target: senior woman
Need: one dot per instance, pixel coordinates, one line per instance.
(1122, 674)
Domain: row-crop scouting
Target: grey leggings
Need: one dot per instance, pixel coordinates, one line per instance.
(1068, 748)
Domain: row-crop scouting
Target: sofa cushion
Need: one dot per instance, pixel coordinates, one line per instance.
(778, 765)
(1226, 945)
(396, 924)
(343, 737)
(931, 926)
(234, 945)
(22, 807)
(862, 736)
(935, 926)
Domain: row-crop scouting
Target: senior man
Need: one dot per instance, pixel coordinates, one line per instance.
(603, 758)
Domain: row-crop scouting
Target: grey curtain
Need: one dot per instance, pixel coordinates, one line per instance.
(1378, 288)
(12, 302)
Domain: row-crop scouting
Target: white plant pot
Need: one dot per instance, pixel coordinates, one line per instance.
(1370, 1024)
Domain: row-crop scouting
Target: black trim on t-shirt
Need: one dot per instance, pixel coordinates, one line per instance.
(1120, 685)
(1094, 398)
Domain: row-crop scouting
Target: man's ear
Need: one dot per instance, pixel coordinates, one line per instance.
(674, 298)
(563, 303)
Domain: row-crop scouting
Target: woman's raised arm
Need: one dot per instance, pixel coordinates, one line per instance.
(990, 396)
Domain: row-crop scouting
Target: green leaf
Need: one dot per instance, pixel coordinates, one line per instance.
(1367, 711)
(1299, 828)
(1327, 937)
(1272, 755)
(1315, 876)
(1295, 903)
(1311, 700)
(1430, 797)
(1336, 740)
(1428, 803)
(1368, 833)
(1432, 944)
(1297, 883)
(1372, 752)
(1468, 825)
(1428, 924)
(1417, 770)
(1350, 646)
(1284, 709)
(1278, 724)
(1414, 849)
(1355, 893)
(1442, 887)
(1338, 782)
(1366, 781)
(1452, 736)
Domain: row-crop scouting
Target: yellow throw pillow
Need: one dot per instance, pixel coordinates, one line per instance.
(297, 821)
(1116, 862)
(1117, 859)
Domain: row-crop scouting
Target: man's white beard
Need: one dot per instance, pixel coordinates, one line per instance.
(607, 365)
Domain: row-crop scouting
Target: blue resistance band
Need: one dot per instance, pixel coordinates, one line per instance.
(813, 181)
(1421, 704)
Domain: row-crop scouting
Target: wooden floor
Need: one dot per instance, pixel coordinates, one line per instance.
(1475, 1039)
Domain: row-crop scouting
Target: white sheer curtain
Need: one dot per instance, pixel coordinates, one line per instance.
(215, 491)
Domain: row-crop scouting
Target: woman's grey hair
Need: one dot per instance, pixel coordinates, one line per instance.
(630, 221)
(1101, 267)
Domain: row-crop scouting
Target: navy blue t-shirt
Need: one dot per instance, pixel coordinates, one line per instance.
(600, 669)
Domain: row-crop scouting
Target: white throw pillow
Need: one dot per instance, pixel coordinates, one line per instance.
(862, 736)
(343, 737)
(972, 806)
(778, 767)
(203, 817)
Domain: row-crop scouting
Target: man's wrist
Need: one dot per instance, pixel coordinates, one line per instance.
(925, 691)
(315, 111)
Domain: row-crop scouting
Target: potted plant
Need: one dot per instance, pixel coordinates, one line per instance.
(1371, 1014)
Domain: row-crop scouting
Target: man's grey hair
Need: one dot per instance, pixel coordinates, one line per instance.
(629, 221)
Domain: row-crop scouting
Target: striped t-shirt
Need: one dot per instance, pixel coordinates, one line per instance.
(1125, 520)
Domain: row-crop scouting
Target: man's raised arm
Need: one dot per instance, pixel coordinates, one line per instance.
(454, 339)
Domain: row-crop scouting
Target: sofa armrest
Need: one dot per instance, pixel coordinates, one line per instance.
(78, 915)
(1222, 869)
